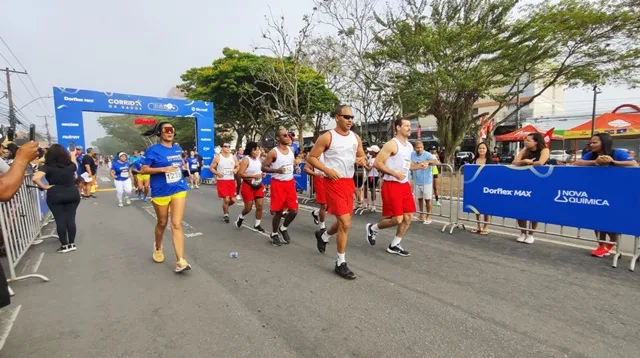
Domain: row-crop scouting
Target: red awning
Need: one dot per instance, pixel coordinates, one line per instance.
(520, 134)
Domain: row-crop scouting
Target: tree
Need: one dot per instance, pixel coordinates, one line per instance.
(357, 29)
(450, 53)
(298, 91)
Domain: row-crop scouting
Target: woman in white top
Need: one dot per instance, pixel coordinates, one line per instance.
(372, 178)
(251, 187)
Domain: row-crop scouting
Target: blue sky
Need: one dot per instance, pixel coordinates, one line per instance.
(143, 46)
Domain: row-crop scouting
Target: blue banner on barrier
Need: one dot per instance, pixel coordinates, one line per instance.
(598, 198)
(301, 179)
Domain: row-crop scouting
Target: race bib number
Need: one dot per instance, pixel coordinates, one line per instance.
(255, 181)
(406, 166)
(194, 166)
(173, 177)
(288, 168)
(227, 171)
(124, 174)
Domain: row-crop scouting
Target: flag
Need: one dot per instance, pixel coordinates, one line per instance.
(548, 136)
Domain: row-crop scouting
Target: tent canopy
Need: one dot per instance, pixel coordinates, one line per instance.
(520, 134)
(616, 124)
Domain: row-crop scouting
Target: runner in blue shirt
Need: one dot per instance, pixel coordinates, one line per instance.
(194, 169)
(163, 161)
(121, 173)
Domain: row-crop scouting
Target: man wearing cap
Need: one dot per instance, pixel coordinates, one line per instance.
(423, 181)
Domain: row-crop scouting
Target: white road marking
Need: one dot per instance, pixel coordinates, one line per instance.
(7, 323)
(104, 179)
(38, 262)
(193, 234)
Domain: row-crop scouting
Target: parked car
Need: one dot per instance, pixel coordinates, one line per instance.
(506, 158)
(560, 155)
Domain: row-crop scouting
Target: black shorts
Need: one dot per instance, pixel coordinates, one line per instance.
(373, 182)
(358, 180)
(185, 173)
(195, 171)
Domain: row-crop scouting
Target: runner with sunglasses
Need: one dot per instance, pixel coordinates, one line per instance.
(163, 161)
(342, 150)
(280, 163)
(225, 166)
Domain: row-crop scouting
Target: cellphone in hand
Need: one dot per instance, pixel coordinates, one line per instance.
(32, 132)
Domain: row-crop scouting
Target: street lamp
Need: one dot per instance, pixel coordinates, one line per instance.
(35, 99)
(596, 91)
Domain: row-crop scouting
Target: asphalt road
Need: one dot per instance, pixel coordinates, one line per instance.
(457, 295)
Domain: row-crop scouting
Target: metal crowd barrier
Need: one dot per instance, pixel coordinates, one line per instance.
(573, 233)
(373, 204)
(21, 223)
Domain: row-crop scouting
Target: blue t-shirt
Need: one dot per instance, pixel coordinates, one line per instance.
(619, 155)
(137, 165)
(423, 176)
(296, 148)
(133, 159)
(79, 160)
(193, 163)
(121, 170)
(165, 184)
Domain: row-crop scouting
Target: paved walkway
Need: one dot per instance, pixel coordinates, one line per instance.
(457, 295)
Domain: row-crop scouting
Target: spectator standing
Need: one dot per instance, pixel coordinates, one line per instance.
(423, 179)
(601, 153)
(535, 152)
(482, 157)
(89, 170)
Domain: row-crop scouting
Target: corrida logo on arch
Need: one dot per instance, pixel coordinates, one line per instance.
(578, 197)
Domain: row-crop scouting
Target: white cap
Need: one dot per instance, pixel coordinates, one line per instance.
(121, 154)
(373, 148)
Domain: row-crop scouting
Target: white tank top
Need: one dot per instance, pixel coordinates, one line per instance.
(321, 161)
(401, 161)
(225, 166)
(285, 161)
(254, 167)
(373, 172)
(341, 154)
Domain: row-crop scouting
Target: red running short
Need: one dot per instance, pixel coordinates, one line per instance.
(397, 199)
(318, 183)
(283, 195)
(226, 188)
(249, 193)
(339, 195)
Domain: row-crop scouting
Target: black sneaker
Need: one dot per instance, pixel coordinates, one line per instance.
(344, 272)
(72, 247)
(226, 219)
(371, 235)
(258, 228)
(274, 239)
(398, 250)
(285, 236)
(316, 218)
(239, 221)
(63, 249)
(322, 246)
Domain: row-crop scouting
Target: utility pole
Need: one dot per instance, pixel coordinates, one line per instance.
(596, 91)
(46, 125)
(12, 112)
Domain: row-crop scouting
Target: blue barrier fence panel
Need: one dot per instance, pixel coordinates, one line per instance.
(597, 198)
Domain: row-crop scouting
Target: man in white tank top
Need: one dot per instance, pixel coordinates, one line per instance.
(280, 163)
(398, 205)
(342, 150)
(224, 167)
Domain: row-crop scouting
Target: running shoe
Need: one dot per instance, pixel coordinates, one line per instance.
(197, 186)
(344, 272)
(182, 266)
(602, 250)
(316, 217)
(239, 221)
(120, 205)
(225, 219)
(274, 239)
(63, 249)
(371, 235)
(72, 247)
(521, 238)
(322, 246)
(398, 250)
(529, 239)
(127, 201)
(145, 199)
(139, 196)
(258, 228)
(285, 236)
(158, 256)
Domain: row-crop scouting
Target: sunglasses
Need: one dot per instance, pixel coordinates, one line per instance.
(345, 116)
(226, 146)
(168, 130)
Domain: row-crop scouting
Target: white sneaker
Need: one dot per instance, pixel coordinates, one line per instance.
(120, 205)
(521, 238)
(239, 197)
(529, 239)
(427, 222)
(127, 201)
(197, 186)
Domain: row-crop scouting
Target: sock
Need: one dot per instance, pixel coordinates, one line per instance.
(226, 215)
(396, 241)
(341, 258)
(375, 228)
(325, 237)
(257, 222)
(283, 228)
(322, 225)
(241, 216)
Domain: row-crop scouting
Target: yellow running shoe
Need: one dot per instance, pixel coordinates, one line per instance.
(158, 256)
(182, 266)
